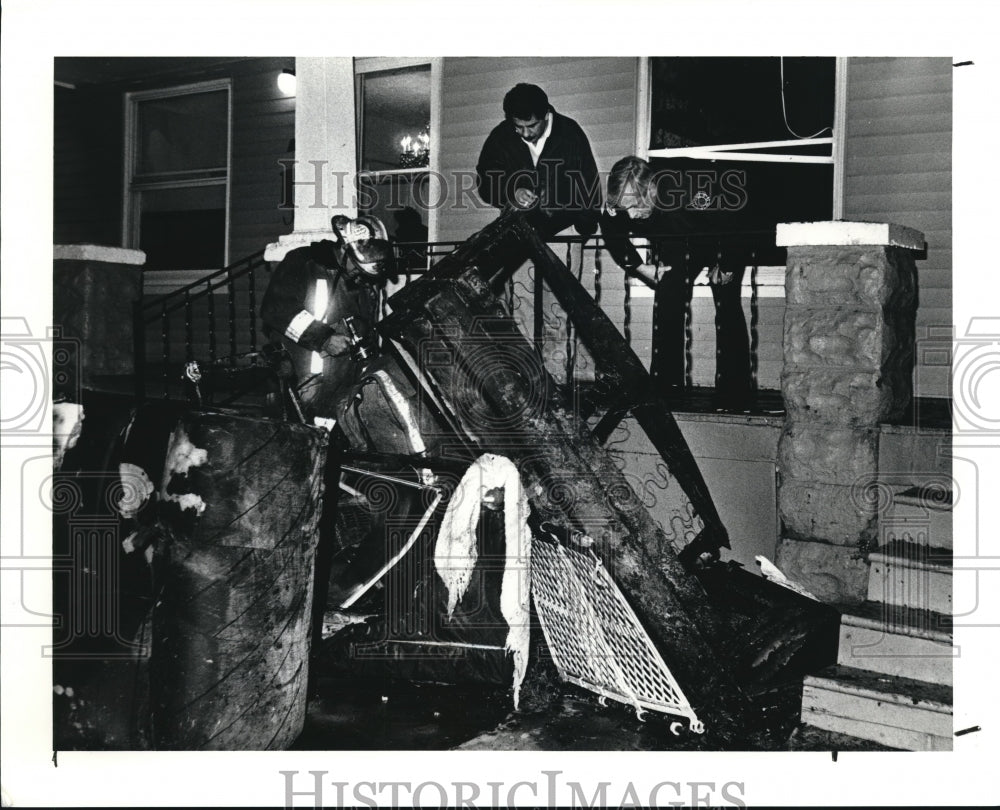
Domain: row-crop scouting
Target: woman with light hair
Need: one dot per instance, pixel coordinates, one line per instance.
(682, 245)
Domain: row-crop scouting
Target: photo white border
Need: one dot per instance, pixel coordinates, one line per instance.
(34, 31)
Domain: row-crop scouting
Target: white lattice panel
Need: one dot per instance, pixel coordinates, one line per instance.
(595, 638)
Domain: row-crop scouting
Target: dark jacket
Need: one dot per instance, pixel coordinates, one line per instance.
(287, 311)
(565, 179)
(687, 237)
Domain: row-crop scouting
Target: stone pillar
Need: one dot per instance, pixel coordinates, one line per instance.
(850, 292)
(325, 150)
(94, 290)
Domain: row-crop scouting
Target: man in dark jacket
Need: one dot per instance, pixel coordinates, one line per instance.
(540, 160)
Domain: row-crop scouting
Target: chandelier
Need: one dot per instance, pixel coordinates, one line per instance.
(416, 150)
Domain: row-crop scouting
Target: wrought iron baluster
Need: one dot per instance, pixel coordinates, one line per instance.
(188, 328)
(628, 310)
(688, 331)
(718, 316)
(165, 337)
(252, 292)
(570, 338)
(210, 302)
(598, 270)
(231, 293)
(655, 338)
(210, 295)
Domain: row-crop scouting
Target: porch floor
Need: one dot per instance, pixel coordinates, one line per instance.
(395, 715)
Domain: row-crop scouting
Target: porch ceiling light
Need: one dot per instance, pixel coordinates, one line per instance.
(286, 82)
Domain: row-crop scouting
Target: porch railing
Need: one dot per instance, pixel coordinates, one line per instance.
(195, 310)
(214, 320)
(589, 260)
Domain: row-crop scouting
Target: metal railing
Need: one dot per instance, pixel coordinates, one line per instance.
(581, 253)
(237, 282)
(195, 309)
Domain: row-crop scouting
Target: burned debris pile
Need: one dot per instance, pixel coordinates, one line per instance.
(542, 572)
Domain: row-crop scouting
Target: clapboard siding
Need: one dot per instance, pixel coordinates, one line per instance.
(898, 169)
(599, 93)
(256, 186)
(89, 156)
(928, 181)
(914, 124)
(883, 201)
(87, 166)
(874, 144)
(880, 165)
(912, 104)
(872, 86)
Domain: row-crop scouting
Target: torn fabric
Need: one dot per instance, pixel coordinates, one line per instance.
(455, 552)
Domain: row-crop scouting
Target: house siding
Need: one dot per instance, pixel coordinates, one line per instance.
(897, 168)
(88, 181)
(88, 188)
(87, 167)
(263, 128)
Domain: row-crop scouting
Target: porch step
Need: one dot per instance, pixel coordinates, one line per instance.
(920, 515)
(893, 640)
(912, 576)
(890, 710)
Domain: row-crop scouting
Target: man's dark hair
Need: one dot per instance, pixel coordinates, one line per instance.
(525, 101)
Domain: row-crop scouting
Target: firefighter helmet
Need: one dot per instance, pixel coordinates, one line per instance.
(366, 242)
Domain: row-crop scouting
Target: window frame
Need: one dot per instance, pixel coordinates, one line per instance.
(743, 152)
(132, 190)
(378, 64)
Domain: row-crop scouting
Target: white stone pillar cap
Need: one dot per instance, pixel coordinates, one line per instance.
(275, 251)
(795, 234)
(98, 253)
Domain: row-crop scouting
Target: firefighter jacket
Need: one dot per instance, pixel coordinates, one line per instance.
(309, 295)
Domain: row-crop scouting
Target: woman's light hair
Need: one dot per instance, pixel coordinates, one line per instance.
(632, 180)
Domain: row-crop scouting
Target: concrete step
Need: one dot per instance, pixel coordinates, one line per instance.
(890, 710)
(809, 738)
(893, 640)
(919, 515)
(912, 576)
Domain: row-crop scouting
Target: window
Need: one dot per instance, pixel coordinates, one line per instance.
(755, 134)
(177, 176)
(394, 145)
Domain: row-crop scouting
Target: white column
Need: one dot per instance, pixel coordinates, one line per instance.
(325, 150)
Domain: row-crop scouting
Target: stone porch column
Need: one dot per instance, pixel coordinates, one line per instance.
(325, 150)
(848, 359)
(94, 289)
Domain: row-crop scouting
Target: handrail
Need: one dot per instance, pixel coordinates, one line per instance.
(251, 261)
(416, 259)
(161, 307)
(598, 240)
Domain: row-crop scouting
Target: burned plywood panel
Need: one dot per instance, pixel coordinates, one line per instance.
(475, 361)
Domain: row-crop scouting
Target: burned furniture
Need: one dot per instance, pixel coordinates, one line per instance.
(223, 591)
(487, 383)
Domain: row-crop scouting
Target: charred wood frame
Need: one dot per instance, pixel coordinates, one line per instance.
(454, 328)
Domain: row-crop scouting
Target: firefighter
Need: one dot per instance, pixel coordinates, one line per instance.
(311, 293)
